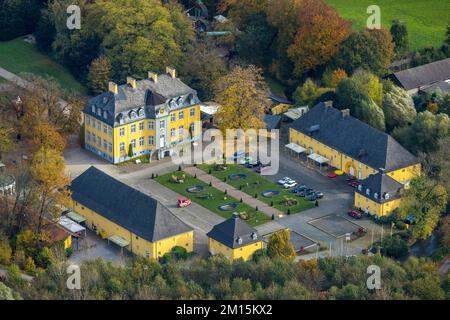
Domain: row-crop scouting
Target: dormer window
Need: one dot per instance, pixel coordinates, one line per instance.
(239, 240)
(368, 191)
(191, 99)
(180, 101)
(254, 236)
(172, 104)
(132, 114)
(360, 187)
(105, 114)
(99, 112)
(141, 112)
(93, 109)
(387, 196)
(375, 195)
(119, 118)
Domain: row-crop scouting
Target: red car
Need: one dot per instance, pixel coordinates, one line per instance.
(182, 202)
(355, 214)
(353, 184)
(331, 175)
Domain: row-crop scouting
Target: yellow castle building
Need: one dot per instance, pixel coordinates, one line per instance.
(149, 116)
(334, 137)
(127, 217)
(234, 239)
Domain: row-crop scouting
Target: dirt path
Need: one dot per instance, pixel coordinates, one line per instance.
(222, 186)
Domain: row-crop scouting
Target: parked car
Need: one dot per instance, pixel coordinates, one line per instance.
(301, 194)
(354, 184)
(284, 180)
(319, 194)
(290, 184)
(331, 175)
(355, 214)
(311, 197)
(299, 188)
(253, 164)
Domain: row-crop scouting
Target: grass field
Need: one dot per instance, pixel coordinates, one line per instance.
(426, 20)
(256, 184)
(18, 56)
(214, 199)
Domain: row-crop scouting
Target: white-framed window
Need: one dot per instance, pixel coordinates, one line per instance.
(99, 141)
(110, 147)
(99, 125)
(181, 132)
(172, 132)
(88, 136)
(141, 126)
(93, 123)
(192, 112)
(192, 128)
(88, 120)
(162, 124)
(105, 144)
(110, 131)
(133, 128)
(93, 109)
(173, 117)
(141, 141)
(151, 125)
(122, 132)
(181, 115)
(93, 138)
(105, 129)
(133, 143)
(151, 140)
(122, 147)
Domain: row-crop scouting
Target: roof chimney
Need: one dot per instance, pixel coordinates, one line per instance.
(112, 87)
(172, 72)
(153, 76)
(345, 113)
(131, 82)
(328, 103)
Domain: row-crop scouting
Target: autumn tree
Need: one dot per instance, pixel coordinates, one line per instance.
(99, 75)
(319, 36)
(201, 68)
(280, 245)
(426, 200)
(242, 94)
(6, 140)
(45, 136)
(331, 78)
(47, 169)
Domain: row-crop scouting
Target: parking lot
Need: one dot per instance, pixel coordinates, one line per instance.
(334, 225)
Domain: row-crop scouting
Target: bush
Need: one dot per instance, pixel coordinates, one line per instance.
(5, 253)
(394, 247)
(400, 225)
(29, 265)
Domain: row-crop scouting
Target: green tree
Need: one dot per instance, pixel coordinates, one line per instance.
(99, 75)
(308, 93)
(424, 132)
(18, 17)
(399, 34)
(5, 252)
(6, 140)
(426, 200)
(280, 245)
(398, 106)
(394, 247)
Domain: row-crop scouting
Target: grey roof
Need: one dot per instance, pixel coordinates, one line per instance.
(423, 75)
(354, 138)
(382, 188)
(148, 96)
(442, 87)
(126, 206)
(234, 233)
(272, 121)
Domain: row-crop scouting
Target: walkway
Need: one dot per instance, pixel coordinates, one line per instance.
(222, 186)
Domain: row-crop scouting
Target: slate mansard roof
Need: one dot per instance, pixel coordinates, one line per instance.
(354, 138)
(382, 188)
(424, 75)
(126, 206)
(234, 233)
(145, 100)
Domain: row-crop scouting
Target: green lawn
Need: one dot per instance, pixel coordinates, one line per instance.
(255, 184)
(211, 198)
(426, 20)
(18, 56)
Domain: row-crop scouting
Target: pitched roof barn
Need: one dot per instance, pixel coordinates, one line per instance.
(424, 75)
(354, 138)
(234, 233)
(126, 206)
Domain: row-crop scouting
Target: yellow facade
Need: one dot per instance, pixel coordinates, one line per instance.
(381, 209)
(244, 252)
(280, 108)
(404, 175)
(137, 245)
(144, 135)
